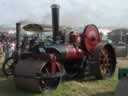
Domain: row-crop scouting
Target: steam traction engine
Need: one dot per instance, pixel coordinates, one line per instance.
(43, 68)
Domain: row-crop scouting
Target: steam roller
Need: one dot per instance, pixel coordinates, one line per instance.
(82, 54)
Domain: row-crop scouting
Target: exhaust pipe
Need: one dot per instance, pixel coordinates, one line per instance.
(55, 22)
(18, 31)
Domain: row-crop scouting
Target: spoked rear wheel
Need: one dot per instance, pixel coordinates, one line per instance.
(106, 61)
(105, 66)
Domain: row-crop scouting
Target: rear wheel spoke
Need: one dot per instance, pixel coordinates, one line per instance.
(49, 83)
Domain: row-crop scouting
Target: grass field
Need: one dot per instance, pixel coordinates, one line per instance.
(67, 88)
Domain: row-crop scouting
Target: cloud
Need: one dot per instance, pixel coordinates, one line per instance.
(72, 12)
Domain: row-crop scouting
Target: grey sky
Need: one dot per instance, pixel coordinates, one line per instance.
(73, 12)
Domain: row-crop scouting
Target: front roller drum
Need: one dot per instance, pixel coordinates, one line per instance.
(104, 55)
(27, 75)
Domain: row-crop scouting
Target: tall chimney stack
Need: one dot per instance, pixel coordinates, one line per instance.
(55, 21)
(18, 32)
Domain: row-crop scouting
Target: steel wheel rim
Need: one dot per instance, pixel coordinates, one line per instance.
(105, 66)
(49, 83)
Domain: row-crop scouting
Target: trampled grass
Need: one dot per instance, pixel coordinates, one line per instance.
(66, 88)
(86, 88)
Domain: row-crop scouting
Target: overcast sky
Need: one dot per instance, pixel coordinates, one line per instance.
(72, 12)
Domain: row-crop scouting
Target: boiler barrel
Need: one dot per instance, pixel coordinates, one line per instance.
(66, 52)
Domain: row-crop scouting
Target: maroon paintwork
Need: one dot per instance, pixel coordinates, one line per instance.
(91, 37)
(74, 52)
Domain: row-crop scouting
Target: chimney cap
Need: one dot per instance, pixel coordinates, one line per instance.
(55, 6)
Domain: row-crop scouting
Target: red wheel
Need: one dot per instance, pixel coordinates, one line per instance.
(50, 83)
(104, 62)
(104, 55)
(91, 37)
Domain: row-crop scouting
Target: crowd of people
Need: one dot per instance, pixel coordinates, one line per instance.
(7, 45)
